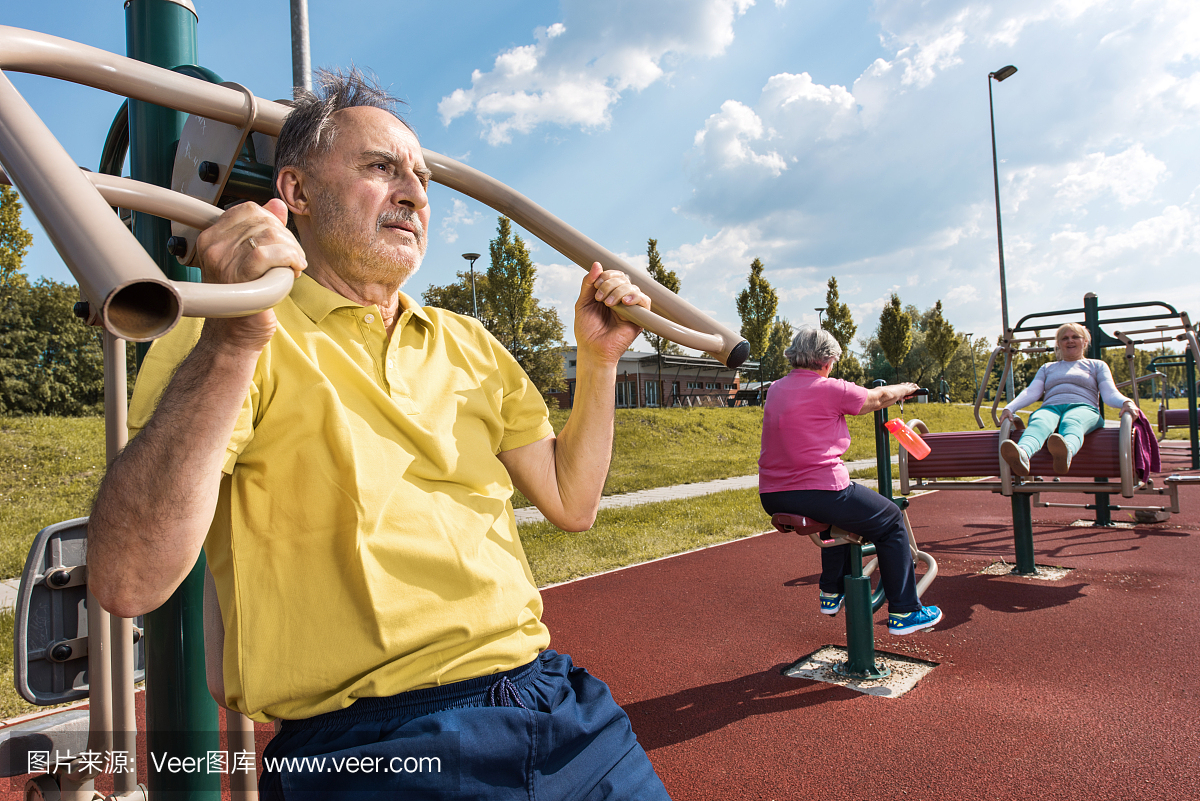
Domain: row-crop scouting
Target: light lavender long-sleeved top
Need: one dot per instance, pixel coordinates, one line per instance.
(1079, 381)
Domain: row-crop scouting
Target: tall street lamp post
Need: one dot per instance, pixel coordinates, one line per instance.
(820, 317)
(1000, 75)
(471, 257)
(974, 372)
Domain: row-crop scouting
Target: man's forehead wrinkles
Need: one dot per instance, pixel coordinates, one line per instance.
(382, 154)
(394, 158)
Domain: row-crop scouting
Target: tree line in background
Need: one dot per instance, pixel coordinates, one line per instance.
(907, 345)
(51, 363)
(531, 332)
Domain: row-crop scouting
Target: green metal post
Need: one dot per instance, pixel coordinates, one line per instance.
(883, 455)
(1091, 317)
(860, 603)
(1192, 422)
(1091, 321)
(181, 717)
(1022, 513)
(860, 635)
(1103, 512)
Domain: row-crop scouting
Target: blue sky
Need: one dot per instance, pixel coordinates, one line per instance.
(841, 139)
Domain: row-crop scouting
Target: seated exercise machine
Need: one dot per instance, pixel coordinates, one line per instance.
(861, 603)
(1107, 455)
(213, 144)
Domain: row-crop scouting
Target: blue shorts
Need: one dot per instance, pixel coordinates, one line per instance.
(546, 730)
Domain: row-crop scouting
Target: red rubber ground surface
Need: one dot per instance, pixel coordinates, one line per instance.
(1084, 688)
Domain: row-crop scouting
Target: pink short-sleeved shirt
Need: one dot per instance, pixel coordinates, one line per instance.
(805, 432)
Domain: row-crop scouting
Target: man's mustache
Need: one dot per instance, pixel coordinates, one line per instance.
(401, 216)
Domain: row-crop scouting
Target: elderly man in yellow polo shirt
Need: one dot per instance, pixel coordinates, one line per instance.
(347, 462)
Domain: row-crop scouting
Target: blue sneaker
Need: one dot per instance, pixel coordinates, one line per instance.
(908, 622)
(831, 604)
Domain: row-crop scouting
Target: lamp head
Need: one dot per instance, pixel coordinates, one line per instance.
(1002, 73)
(470, 256)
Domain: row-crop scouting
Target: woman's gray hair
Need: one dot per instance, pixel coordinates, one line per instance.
(310, 128)
(813, 348)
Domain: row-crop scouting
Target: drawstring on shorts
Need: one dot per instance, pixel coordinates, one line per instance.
(504, 693)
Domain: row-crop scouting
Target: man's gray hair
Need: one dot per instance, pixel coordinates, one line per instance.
(310, 128)
(813, 348)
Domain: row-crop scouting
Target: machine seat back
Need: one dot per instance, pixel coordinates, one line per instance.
(965, 454)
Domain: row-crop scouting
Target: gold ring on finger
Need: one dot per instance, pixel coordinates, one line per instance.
(253, 244)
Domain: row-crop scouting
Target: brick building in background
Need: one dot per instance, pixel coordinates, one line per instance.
(650, 380)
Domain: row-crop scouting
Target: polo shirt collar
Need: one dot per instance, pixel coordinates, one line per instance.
(317, 302)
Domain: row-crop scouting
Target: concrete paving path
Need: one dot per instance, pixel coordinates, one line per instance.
(530, 514)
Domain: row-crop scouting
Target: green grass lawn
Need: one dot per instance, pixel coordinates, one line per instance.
(49, 470)
(637, 534)
(50, 467)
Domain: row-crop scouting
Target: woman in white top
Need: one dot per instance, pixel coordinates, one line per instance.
(1070, 390)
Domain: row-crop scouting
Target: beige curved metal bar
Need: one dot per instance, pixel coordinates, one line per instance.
(987, 371)
(1125, 456)
(199, 300)
(131, 296)
(41, 54)
(135, 301)
(1006, 482)
(931, 566)
(676, 319)
(1192, 342)
(1008, 358)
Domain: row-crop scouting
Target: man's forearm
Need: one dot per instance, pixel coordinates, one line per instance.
(156, 502)
(583, 449)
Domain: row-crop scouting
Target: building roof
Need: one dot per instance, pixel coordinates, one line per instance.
(688, 362)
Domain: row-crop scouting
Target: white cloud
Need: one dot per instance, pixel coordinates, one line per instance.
(577, 70)
(726, 137)
(962, 294)
(1130, 176)
(459, 214)
(888, 181)
(922, 61)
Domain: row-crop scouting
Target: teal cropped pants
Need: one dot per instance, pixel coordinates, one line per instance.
(1072, 420)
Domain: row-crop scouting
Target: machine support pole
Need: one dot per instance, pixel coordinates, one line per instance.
(1091, 321)
(1103, 512)
(1091, 318)
(1190, 367)
(181, 717)
(860, 634)
(860, 604)
(883, 456)
(1022, 512)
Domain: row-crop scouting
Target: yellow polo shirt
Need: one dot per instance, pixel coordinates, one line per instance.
(364, 543)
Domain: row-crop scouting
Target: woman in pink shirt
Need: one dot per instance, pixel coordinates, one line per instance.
(800, 471)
